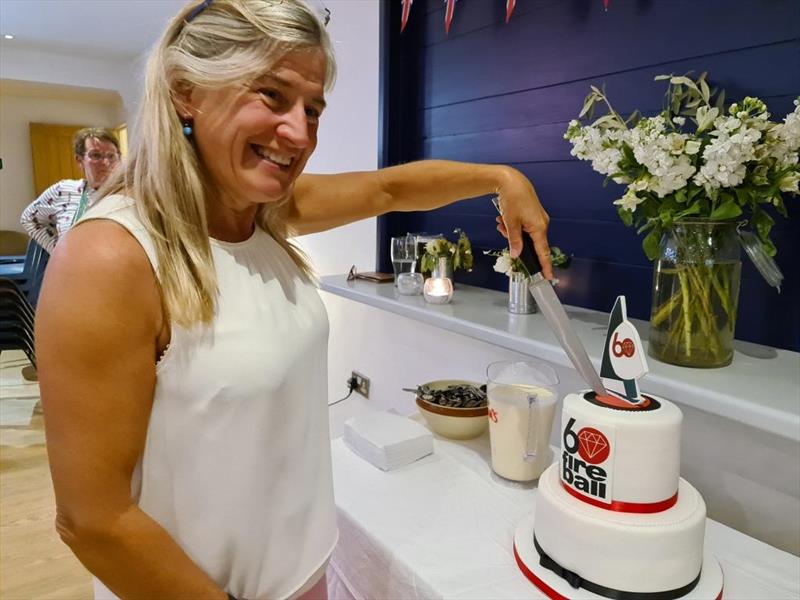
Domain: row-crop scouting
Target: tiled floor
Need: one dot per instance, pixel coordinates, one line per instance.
(34, 563)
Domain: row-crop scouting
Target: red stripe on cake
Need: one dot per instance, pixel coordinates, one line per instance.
(548, 591)
(627, 507)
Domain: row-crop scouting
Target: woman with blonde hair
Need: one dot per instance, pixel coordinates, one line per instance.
(182, 343)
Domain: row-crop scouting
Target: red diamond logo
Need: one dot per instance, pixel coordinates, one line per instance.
(593, 446)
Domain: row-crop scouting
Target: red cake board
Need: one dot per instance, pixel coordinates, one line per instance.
(556, 588)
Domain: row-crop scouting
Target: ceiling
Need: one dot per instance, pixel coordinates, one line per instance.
(105, 29)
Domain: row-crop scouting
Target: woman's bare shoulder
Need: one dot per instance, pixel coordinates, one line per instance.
(100, 264)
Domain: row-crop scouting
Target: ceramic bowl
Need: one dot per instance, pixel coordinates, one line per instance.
(450, 422)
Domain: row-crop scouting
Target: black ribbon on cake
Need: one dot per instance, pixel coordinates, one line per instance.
(576, 581)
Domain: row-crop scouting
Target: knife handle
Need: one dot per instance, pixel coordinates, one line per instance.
(528, 255)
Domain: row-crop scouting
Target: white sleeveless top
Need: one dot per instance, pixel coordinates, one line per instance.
(236, 464)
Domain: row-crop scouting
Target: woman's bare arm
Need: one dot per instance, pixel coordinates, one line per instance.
(97, 324)
(321, 202)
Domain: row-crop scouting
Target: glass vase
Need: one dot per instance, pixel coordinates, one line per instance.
(520, 299)
(443, 267)
(695, 294)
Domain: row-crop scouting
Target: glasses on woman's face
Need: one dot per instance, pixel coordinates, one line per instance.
(95, 156)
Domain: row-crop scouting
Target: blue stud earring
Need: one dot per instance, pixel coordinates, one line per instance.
(187, 128)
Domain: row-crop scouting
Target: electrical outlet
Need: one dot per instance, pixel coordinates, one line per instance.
(361, 383)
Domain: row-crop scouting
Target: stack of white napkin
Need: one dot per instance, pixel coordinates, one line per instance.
(386, 440)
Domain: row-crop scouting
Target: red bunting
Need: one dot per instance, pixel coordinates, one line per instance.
(510, 4)
(605, 4)
(406, 11)
(448, 14)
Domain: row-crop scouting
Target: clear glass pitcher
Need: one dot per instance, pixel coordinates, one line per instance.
(522, 399)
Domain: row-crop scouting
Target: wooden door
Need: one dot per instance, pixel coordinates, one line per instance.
(53, 156)
(122, 135)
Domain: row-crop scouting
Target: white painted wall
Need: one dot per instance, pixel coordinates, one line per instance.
(348, 135)
(17, 111)
(22, 63)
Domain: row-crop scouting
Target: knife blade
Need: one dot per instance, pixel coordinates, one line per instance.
(555, 315)
(559, 323)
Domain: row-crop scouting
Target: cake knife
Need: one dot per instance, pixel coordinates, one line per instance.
(555, 315)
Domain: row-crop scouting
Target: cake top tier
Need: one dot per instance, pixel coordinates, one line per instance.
(621, 458)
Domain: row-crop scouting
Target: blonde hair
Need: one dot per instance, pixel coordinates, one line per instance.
(229, 42)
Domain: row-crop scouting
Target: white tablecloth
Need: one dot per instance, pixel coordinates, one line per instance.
(443, 527)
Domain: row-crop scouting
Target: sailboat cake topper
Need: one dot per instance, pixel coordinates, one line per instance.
(623, 359)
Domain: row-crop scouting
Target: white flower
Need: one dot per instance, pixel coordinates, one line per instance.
(783, 140)
(692, 147)
(599, 144)
(503, 264)
(790, 183)
(680, 121)
(725, 159)
(705, 117)
(662, 154)
(629, 201)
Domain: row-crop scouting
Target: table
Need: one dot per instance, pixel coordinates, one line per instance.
(443, 527)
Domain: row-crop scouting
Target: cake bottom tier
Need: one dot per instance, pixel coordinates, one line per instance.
(629, 552)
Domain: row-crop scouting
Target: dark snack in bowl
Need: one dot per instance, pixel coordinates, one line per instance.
(454, 395)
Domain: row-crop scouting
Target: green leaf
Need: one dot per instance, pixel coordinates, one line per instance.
(769, 247)
(651, 243)
(763, 224)
(727, 210)
(777, 202)
(720, 103)
(693, 209)
(680, 195)
(683, 81)
(743, 195)
(693, 192)
(705, 90)
(626, 216)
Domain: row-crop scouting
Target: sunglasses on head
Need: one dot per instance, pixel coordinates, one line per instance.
(317, 7)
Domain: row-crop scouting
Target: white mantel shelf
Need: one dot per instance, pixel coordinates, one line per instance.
(761, 388)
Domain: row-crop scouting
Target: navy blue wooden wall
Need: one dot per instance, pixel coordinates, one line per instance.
(504, 93)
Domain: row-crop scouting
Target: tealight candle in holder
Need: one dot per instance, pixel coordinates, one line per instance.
(409, 284)
(439, 289)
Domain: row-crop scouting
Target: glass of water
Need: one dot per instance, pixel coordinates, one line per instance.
(403, 252)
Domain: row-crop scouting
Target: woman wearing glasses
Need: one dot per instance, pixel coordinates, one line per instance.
(49, 216)
(182, 343)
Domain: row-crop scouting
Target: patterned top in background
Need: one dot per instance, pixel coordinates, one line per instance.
(51, 215)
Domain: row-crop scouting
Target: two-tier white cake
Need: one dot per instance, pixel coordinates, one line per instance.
(613, 518)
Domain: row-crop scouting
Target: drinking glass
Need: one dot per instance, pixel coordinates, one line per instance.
(403, 251)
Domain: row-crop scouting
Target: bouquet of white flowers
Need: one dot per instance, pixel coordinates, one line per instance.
(693, 159)
(507, 265)
(691, 173)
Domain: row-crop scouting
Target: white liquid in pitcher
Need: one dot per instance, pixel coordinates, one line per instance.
(514, 428)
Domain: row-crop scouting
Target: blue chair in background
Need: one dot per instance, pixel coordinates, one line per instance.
(16, 320)
(28, 275)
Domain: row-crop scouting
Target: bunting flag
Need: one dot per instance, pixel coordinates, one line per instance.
(448, 14)
(605, 4)
(406, 11)
(510, 4)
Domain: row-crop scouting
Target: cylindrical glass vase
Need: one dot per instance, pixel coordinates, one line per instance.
(443, 268)
(695, 294)
(520, 299)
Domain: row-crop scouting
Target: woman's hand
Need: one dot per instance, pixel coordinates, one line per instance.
(522, 212)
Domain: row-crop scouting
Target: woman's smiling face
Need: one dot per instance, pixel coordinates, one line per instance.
(255, 144)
